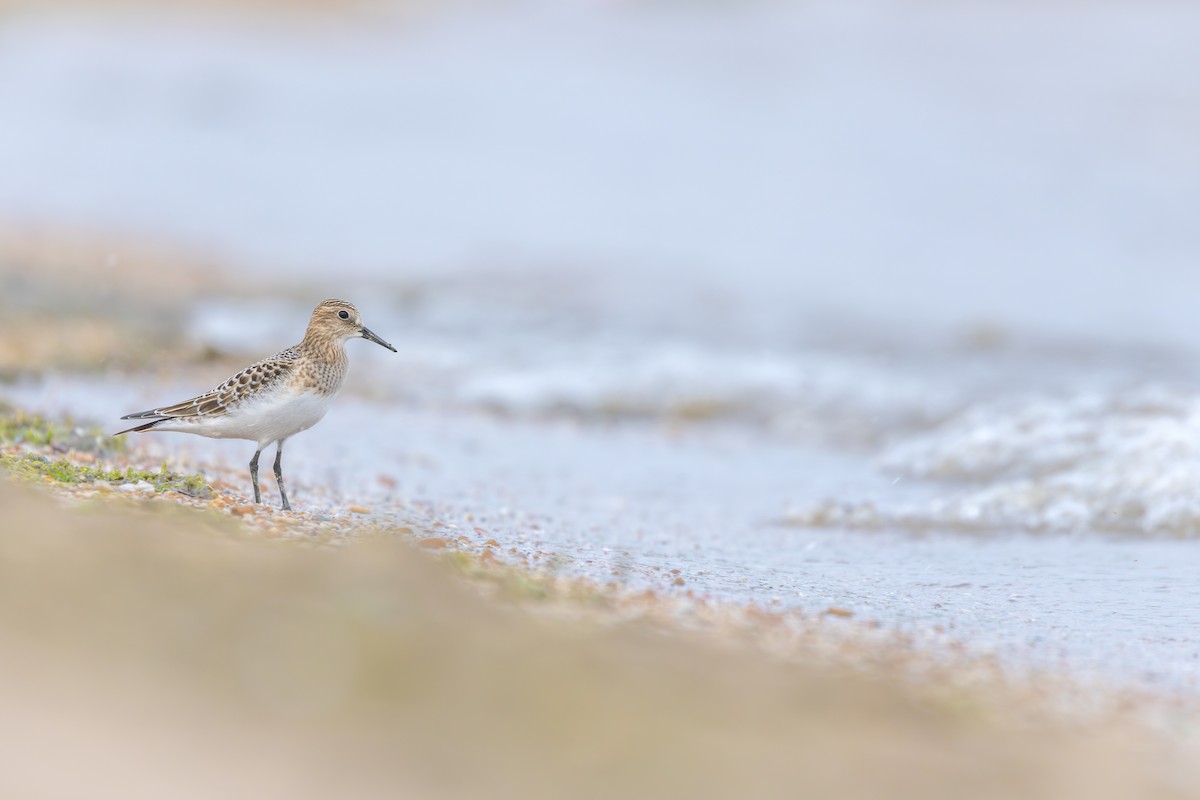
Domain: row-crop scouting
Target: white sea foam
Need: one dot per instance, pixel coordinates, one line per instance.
(842, 398)
(1124, 462)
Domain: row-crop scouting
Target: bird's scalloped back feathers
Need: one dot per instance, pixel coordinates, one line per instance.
(257, 377)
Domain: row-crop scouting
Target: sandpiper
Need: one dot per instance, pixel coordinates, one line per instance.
(275, 398)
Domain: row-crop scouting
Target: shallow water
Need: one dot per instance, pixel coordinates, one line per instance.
(820, 304)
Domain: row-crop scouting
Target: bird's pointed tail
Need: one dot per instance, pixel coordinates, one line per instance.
(140, 428)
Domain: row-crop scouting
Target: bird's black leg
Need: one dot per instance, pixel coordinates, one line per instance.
(254, 475)
(279, 475)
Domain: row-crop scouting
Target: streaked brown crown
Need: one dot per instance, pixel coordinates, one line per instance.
(327, 326)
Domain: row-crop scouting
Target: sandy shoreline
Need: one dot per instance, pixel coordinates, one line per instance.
(367, 646)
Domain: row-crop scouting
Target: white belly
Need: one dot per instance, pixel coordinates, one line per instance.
(264, 421)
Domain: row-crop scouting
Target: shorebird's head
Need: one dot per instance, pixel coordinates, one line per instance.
(339, 320)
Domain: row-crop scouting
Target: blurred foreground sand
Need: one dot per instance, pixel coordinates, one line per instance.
(166, 653)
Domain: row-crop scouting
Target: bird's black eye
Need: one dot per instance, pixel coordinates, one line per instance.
(344, 314)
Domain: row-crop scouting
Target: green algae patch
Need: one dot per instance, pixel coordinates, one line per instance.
(20, 428)
(513, 583)
(63, 470)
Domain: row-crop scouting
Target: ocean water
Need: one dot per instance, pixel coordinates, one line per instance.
(879, 305)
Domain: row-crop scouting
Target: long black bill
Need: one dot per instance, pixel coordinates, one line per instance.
(370, 336)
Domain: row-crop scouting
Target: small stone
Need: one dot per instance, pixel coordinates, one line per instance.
(838, 612)
(241, 511)
(433, 542)
(359, 510)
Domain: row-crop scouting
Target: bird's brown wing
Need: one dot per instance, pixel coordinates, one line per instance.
(221, 399)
